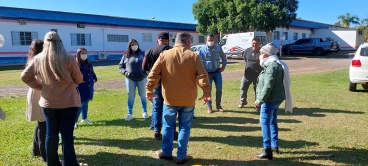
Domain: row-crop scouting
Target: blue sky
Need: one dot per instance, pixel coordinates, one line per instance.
(325, 11)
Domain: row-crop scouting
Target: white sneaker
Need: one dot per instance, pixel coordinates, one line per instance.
(86, 121)
(129, 117)
(75, 125)
(145, 115)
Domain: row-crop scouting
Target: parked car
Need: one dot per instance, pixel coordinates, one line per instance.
(196, 48)
(358, 71)
(315, 46)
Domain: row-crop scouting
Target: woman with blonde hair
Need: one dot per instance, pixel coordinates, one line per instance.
(34, 111)
(59, 74)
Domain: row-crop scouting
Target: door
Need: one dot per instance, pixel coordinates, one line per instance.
(308, 45)
(297, 46)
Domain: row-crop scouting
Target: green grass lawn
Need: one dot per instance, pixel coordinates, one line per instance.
(327, 127)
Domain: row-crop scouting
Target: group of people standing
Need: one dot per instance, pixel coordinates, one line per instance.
(61, 87)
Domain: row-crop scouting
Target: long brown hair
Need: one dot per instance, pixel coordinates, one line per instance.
(34, 49)
(129, 50)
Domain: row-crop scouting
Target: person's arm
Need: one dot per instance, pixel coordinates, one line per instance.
(223, 59)
(154, 77)
(122, 66)
(202, 80)
(75, 72)
(268, 82)
(28, 76)
(94, 74)
(144, 63)
(202, 57)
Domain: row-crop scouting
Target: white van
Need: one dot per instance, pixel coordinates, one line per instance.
(233, 45)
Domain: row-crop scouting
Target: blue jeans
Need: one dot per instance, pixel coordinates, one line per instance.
(60, 120)
(157, 106)
(83, 109)
(185, 116)
(131, 86)
(268, 120)
(217, 78)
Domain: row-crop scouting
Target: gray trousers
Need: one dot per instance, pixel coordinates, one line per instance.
(244, 86)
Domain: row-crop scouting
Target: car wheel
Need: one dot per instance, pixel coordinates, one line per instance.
(319, 52)
(352, 87)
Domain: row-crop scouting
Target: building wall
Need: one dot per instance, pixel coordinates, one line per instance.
(349, 39)
(291, 33)
(11, 54)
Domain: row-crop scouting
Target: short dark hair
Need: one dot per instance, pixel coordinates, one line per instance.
(210, 35)
(257, 40)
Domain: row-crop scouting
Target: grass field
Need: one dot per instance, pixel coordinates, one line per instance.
(327, 127)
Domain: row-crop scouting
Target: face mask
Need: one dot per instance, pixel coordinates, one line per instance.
(210, 43)
(83, 56)
(261, 60)
(134, 48)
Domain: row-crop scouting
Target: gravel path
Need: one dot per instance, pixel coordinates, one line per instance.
(296, 65)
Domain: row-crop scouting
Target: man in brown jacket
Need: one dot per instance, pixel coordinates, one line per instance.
(180, 70)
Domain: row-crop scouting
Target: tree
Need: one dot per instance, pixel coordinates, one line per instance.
(346, 20)
(229, 16)
(338, 23)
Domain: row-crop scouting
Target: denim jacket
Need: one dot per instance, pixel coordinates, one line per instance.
(211, 58)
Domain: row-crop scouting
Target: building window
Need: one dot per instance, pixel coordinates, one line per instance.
(23, 38)
(55, 30)
(304, 35)
(146, 37)
(200, 39)
(276, 35)
(117, 38)
(295, 36)
(285, 36)
(80, 39)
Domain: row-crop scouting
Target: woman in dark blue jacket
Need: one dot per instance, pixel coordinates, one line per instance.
(86, 87)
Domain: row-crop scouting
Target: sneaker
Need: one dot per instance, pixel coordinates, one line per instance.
(220, 109)
(209, 110)
(86, 121)
(129, 117)
(157, 135)
(145, 115)
(241, 105)
(75, 125)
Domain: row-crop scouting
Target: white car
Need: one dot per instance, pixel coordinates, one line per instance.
(358, 71)
(196, 48)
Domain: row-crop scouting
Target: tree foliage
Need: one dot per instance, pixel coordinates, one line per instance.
(347, 19)
(226, 16)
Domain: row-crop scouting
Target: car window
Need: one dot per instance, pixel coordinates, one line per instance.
(222, 42)
(364, 51)
(299, 42)
(193, 48)
(307, 41)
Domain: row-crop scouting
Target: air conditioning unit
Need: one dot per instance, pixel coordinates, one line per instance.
(102, 56)
(22, 22)
(172, 35)
(81, 25)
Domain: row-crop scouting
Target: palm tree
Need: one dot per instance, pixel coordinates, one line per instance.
(364, 22)
(348, 19)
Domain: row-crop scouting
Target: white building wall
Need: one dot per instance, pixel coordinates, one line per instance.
(349, 39)
(292, 32)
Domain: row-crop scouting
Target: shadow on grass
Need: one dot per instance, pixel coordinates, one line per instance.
(134, 123)
(252, 141)
(139, 143)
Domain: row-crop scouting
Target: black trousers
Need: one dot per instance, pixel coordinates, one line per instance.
(39, 140)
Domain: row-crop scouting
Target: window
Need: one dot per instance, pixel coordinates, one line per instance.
(276, 35)
(23, 38)
(200, 39)
(307, 41)
(55, 30)
(295, 36)
(146, 37)
(304, 35)
(80, 39)
(285, 36)
(117, 38)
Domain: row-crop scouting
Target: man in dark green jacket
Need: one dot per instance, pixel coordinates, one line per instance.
(270, 94)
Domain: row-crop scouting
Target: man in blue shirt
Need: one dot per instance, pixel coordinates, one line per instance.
(210, 55)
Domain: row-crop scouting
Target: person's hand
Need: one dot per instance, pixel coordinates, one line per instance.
(256, 104)
(205, 98)
(94, 80)
(222, 69)
(150, 96)
(127, 74)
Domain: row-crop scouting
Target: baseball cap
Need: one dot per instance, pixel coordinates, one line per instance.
(163, 35)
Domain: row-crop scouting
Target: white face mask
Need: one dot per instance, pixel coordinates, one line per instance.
(134, 48)
(210, 43)
(261, 60)
(83, 56)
